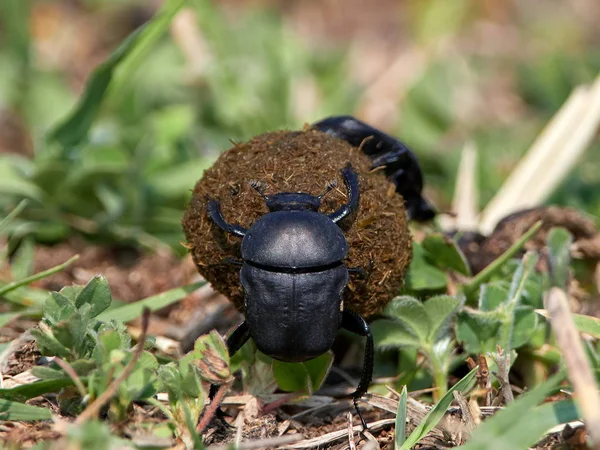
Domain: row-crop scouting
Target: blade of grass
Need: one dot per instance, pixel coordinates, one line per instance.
(38, 276)
(438, 411)
(19, 411)
(521, 424)
(400, 435)
(11, 216)
(31, 390)
(471, 287)
(73, 130)
(134, 310)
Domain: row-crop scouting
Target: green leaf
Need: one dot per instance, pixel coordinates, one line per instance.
(527, 424)
(492, 295)
(31, 390)
(478, 330)
(19, 411)
(393, 334)
(171, 381)
(302, 377)
(524, 324)
(400, 435)
(437, 412)
(444, 253)
(422, 276)
(48, 344)
(559, 241)
(96, 293)
(411, 313)
(440, 311)
(318, 368)
(134, 310)
(57, 308)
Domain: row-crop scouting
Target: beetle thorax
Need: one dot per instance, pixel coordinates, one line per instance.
(294, 240)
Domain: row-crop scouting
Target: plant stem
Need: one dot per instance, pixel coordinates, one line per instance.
(471, 287)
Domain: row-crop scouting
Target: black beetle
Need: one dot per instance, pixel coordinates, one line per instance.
(294, 276)
(399, 163)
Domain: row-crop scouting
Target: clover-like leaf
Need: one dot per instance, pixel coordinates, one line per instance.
(393, 334)
(423, 276)
(440, 310)
(58, 307)
(412, 314)
(96, 294)
(306, 376)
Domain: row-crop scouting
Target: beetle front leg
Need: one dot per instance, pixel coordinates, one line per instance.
(351, 181)
(356, 324)
(213, 209)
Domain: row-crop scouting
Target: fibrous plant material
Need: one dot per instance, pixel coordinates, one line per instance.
(291, 161)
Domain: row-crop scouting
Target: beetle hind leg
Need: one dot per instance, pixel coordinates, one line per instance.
(356, 324)
(213, 209)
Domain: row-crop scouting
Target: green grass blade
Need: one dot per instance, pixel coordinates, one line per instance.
(11, 216)
(75, 127)
(438, 411)
(400, 434)
(26, 391)
(487, 273)
(19, 411)
(134, 310)
(38, 276)
(521, 424)
(585, 324)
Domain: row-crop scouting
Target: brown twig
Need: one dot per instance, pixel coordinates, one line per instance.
(212, 409)
(72, 374)
(93, 409)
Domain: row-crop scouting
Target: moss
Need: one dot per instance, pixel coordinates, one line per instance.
(302, 161)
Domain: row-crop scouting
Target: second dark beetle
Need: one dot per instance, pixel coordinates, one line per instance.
(294, 276)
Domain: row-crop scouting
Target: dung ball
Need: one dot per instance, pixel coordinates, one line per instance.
(302, 161)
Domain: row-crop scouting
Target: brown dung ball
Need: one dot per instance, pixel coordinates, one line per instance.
(302, 161)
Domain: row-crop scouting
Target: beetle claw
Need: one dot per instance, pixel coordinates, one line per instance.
(362, 419)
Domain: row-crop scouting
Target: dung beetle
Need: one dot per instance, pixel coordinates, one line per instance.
(399, 163)
(293, 275)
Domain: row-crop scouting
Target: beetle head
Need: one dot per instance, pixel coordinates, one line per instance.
(292, 201)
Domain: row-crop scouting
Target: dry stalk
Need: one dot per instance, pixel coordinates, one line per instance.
(550, 158)
(580, 372)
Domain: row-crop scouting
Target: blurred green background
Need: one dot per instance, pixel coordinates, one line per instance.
(113, 154)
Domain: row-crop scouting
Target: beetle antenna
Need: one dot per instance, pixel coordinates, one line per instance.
(259, 187)
(330, 186)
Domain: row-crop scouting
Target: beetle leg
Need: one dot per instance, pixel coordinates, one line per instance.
(351, 182)
(356, 324)
(213, 210)
(235, 341)
(388, 152)
(365, 274)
